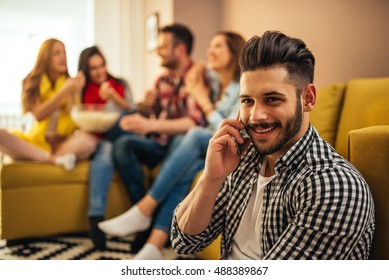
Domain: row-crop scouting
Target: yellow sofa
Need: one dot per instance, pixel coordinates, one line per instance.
(43, 199)
(40, 200)
(373, 163)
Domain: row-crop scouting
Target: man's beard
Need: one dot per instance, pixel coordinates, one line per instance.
(169, 63)
(292, 127)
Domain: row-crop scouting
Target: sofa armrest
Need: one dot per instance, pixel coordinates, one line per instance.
(368, 151)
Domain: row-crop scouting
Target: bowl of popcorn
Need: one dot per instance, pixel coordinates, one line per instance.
(96, 118)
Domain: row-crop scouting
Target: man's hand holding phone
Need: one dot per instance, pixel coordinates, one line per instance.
(225, 150)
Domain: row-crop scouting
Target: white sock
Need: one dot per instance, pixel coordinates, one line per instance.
(129, 222)
(149, 252)
(67, 161)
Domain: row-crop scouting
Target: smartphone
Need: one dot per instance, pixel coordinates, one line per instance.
(239, 147)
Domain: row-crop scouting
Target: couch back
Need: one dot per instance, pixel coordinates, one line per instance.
(366, 103)
(373, 163)
(341, 108)
(325, 116)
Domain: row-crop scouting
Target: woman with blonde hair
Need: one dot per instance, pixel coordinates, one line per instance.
(48, 93)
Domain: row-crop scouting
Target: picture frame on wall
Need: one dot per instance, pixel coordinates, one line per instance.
(152, 25)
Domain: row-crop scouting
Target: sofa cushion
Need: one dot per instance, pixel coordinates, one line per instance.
(369, 153)
(325, 116)
(365, 104)
(42, 199)
(20, 173)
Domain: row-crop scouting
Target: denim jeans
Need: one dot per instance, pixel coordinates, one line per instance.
(102, 169)
(115, 132)
(180, 163)
(100, 175)
(130, 152)
(178, 170)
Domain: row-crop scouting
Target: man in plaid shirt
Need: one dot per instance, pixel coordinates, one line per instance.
(283, 192)
(167, 112)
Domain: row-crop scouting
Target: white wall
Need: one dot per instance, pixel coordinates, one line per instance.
(203, 17)
(164, 8)
(120, 32)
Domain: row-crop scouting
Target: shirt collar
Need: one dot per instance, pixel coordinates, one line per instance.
(296, 154)
(182, 74)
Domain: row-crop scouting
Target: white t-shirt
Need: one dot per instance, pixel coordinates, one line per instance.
(246, 244)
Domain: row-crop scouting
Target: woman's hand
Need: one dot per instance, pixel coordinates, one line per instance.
(76, 84)
(195, 73)
(79, 82)
(199, 91)
(73, 86)
(67, 95)
(196, 87)
(106, 91)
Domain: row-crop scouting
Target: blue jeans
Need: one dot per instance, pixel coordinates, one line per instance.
(101, 171)
(100, 175)
(115, 132)
(130, 153)
(178, 170)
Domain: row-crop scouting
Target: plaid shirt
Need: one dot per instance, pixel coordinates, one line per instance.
(174, 102)
(318, 206)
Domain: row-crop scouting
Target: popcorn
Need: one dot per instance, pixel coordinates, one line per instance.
(94, 120)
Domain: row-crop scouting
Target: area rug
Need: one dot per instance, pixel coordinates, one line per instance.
(71, 247)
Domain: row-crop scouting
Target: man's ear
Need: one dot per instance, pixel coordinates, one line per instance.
(309, 97)
(180, 48)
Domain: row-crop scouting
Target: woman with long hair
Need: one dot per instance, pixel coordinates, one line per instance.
(101, 88)
(48, 93)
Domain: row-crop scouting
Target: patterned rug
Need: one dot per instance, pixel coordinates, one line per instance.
(71, 247)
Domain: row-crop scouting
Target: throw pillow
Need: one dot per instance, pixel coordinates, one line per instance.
(325, 116)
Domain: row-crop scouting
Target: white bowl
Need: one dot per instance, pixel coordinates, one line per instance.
(94, 117)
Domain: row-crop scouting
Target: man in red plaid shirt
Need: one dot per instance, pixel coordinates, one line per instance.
(166, 112)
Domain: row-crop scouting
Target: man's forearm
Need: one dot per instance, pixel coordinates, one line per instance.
(172, 126)
(195, 212)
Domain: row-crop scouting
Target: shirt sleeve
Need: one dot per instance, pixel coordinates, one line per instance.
(194, 111)
(190, 244)
(227, 108)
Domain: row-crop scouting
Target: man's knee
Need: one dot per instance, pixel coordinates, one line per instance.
(197, 135)
(121, 148)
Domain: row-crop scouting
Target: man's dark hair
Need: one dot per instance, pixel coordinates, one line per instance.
(181, 34)
(276, 49)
